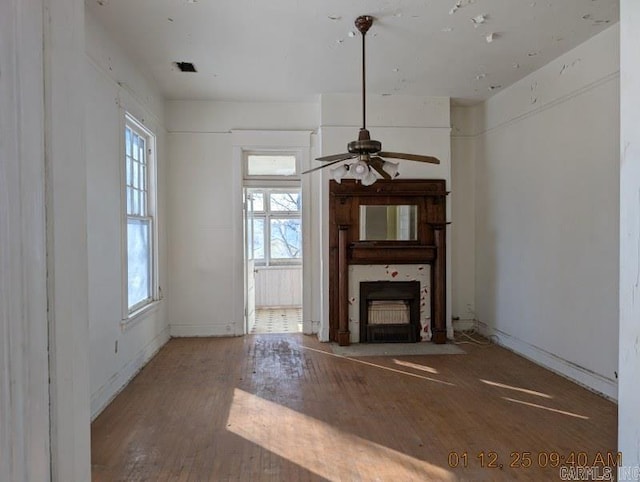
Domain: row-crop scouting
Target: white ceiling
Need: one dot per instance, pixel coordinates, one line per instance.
(287, 50)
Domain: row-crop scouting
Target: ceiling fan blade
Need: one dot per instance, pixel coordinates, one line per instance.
(323, 166)
(376, 163)
(410, 157)
(337, 157)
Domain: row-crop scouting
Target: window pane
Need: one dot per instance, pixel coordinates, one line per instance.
(258, 201)
(284, 201)
(138, 260)
(140, 203)
(127, 141)
(141, 145)
(135, 208)
(143, 204)
(136, 174)
(129, 169)
(135, 146)
(143, 177)
(129, 200)
(286, 238)
(261, 165)
(258, 238)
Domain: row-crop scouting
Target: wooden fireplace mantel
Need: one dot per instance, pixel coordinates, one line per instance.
(346, 249)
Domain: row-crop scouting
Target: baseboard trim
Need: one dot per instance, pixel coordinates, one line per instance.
(582, 376)
(190, 331)
(211, 331)
(464, 325)
(102, 397)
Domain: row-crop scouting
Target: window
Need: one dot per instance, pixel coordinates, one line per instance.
(277, 226)
(272, 165)
(140, 259)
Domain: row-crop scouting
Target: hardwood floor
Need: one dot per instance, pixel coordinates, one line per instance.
(285, 408)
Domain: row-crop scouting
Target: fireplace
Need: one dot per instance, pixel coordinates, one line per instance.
(352, 243)
(389, 311)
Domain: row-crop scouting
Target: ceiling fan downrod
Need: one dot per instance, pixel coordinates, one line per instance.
(363, 24)
(364, 145)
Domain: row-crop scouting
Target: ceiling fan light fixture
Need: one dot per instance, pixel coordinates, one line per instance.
(338, 173)
(391, 168)
(360, 169)
(369, 178)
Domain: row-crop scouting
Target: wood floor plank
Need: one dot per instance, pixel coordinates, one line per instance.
(284, 407)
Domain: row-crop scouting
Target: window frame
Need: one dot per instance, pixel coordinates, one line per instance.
(266, 215)
(130, 313)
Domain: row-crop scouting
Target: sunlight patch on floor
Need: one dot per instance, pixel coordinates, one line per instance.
(416, 366)
(321, 448)
(382, 367)
(517, 389)
(563, 412)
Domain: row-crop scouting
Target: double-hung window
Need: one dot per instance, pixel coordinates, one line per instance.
(140, 259)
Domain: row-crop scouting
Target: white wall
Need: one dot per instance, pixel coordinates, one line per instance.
(205, 293)
(201, 288)
(629, 388)
(278, 286)
(547, 214)
(462, 199)
(114, 84)
(419, 125)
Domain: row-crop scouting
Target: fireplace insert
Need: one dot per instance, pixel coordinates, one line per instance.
(389, 311)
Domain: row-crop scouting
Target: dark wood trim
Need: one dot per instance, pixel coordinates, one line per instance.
(397, 187)
(372, 254)
(439, 288)
(345, 248)
(343, 287)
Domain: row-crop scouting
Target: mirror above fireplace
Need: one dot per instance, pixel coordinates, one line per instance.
(388, 222)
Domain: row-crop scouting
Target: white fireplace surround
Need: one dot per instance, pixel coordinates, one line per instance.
(390, 272)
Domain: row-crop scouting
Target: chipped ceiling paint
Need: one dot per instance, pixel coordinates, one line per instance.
(288, 50)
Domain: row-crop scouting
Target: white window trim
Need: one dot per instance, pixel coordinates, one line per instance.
(132, 316)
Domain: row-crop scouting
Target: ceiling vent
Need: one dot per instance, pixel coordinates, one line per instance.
(186, 66)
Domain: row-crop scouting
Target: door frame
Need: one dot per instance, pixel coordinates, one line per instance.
(297, 142)
(248, 262)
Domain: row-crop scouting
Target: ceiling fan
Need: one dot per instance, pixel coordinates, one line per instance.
(368, 151)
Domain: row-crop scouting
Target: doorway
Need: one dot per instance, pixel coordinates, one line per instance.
(273, 259)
